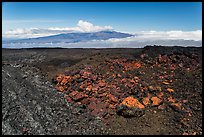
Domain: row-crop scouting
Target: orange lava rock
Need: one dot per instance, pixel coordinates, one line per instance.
(113, 75)
(65, 80)
(119, 75)
(160, 94)
(101, 83)
(60, 88)
(82, 86)
(132, 81)
(178, 105)
(111, 106)
(59, 78)
(151, 88)
(132, 102)
(170, 99)
(159, 88)
(166, 83)
(111, 67)
(95, 88)
(76, 76)
(161, 107)
(76, 95)
(113, 98)
(136, 78)
(170, 90)
(137, 65)
(123, 80)
(89, 88)
(145, 101)
(156, 101)
(184, 101)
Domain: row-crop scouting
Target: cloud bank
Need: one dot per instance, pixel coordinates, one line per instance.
(82, 26)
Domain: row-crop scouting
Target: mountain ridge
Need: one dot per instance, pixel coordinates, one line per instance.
(73, 37)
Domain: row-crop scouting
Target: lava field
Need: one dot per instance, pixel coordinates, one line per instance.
(155, 90)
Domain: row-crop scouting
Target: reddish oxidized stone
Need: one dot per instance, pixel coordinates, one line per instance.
(75, 95)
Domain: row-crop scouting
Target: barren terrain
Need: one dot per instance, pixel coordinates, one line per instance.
(155, 90)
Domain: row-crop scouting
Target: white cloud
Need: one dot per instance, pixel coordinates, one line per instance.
(85, 26)
(162, 35)
(82, 26)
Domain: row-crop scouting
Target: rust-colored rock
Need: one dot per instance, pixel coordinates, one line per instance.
(159, 88)
(76, 95)
(59, 78)
(177, 105)
(59, 88)
(160, 95)
(170, 90)
(166, 83)
(101, 83)
(161, 107)
(170, 99)
(111, 106)
(113, 98)
(156, 101)
(89, 88)
(132, 102)
(145, 101)
(65, 80)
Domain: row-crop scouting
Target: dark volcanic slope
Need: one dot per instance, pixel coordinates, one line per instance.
(73, 37)
(32, 105)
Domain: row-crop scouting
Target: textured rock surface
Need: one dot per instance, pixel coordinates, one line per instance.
(92, 85)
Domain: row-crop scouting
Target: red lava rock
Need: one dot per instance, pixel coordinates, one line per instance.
(59, 78)
(160, 95)
(86, 74)
(176, 105)
(85, 101)
(101, 83)
(103, 90)
(166, 83)
(119, 75)
(69, 100)
(170, 90)
(185, 133)
(113, 98)
(145, 101)
(162, 59)
(89, 88)
(185, 101)
(77, 76)
(151, 88)
(82, 86)
(112, 106)
(75, 95)
(59, 88)
(161, 107)
(156, 101)
(132, 102)
(172, 67)
(170, 99)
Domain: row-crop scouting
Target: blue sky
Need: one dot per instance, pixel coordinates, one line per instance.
(129, 17)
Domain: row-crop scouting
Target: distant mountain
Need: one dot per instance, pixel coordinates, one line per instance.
(72, 37)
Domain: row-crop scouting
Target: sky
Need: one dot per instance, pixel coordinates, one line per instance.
(29, 19)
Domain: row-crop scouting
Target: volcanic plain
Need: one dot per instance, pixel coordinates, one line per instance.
(155, 90)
